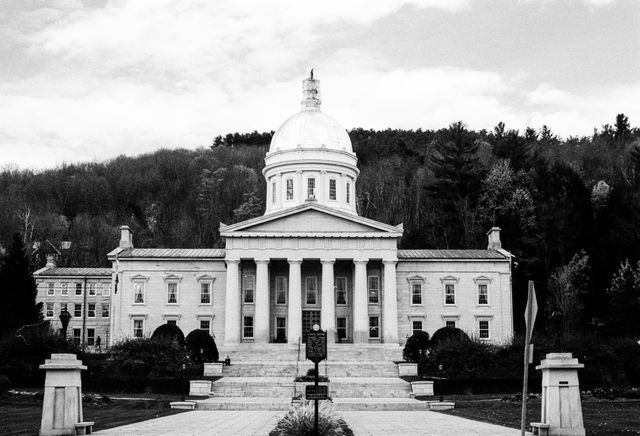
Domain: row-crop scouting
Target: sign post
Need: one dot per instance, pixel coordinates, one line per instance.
(529, 319)
(316, 352)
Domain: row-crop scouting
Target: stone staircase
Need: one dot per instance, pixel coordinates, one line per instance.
(261, 377)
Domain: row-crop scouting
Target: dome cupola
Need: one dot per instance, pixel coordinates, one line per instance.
(310, 159)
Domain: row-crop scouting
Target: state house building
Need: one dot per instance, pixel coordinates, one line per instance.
(311, 259)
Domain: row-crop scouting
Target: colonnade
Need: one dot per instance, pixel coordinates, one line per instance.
(233, 306)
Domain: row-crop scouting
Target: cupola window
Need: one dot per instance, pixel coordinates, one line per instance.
(332, 189)
(289, 189)
(348, 192)
(311, 188)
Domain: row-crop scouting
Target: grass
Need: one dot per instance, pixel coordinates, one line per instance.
(21, 415)
(601, 417)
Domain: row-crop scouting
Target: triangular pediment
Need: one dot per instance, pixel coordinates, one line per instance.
(310, 220)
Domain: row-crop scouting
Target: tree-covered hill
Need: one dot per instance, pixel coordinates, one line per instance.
(553, 198)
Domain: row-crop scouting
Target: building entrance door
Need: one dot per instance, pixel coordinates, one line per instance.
(309, 318)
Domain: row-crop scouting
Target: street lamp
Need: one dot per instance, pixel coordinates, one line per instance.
(65, 316)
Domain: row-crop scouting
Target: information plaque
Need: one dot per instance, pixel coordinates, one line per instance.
(316, 392)
(316, 345)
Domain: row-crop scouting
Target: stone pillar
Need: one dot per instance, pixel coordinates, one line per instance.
(294, 326)
(232, 303)
(62, 403)
(360, 303)
(261, 334)
(561, 407)
(328, 313)
(390, 304)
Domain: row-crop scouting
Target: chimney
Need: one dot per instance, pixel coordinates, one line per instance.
(126, 237)
(493, 236)
(51, 261)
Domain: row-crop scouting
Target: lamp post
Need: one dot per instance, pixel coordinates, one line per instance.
(65, 316)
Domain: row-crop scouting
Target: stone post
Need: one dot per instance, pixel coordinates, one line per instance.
(232, 303)
(262, 301)
(328, 313)
(561, 407)
(62, 403)
(294, 320)
(360, 303)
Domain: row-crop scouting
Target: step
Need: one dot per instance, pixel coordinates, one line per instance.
(326, 368)
(379, 404)
(244, 403)
(280, 387)
(342, 352)
(366, 387)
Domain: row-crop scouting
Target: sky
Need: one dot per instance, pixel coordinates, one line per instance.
(90, 80)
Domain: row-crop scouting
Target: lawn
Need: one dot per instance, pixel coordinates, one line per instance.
(601, 417)
(21, 415)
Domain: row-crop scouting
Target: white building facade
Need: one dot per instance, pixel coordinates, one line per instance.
(311, 259)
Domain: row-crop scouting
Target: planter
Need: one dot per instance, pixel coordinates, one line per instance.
(212, 369)
(422, 388)
(407, 369)
(441, 405)
(200, 388)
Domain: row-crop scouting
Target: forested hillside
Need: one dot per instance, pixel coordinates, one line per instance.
(569, 209)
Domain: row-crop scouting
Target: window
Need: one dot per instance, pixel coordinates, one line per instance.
(173, 322)
(247, 330)
(205, 325)
(332, 189)
(483, 329)
(65, 289)
(341, 290)
(483, 294)
(51, 289)
(78, 288)
(138, 328)
(416, 326)
(416, 293)
(91, 336)
(281, 329)
(451, 324)
(205, 293)
(76, 336)
(138, 293)
(289, 189)
(311, 290)
(248, 288)
(105, 310)
(49, 312)
(311, 188)
(105, 289)
(92, 289)
(374, 324)
(273, 192)
(172, 293)
(374, 289)
(91, 310)
(63, 307)
(341, 328)
(348, 192)
(281, 290)
(449, 293)
(77, 310)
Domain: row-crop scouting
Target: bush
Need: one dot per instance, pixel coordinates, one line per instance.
(148, 358)
(448, 334)
(169, 332)
(5, 384)
(202, 348)
(416, 348)
(299, 421)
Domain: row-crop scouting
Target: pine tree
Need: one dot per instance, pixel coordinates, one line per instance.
(17, 290)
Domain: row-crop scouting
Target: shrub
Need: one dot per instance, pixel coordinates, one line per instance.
(148, 358)
(169, 332)
(299, 421)
(5, 384)
(416, 348)
(202, 347)
(448, 334)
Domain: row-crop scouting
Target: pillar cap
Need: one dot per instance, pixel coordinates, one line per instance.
(63, 361)
(560, 361)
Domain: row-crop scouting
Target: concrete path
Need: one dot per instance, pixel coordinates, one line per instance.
(245, 423)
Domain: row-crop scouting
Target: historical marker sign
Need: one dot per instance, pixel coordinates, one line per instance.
(316, 345)
(316, 392)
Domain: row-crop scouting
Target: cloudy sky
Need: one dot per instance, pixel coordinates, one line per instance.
(90, 80)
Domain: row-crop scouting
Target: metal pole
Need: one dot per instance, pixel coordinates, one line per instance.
(316, 402)
(525, 384)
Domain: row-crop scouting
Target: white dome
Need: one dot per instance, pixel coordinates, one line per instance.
(311, 129)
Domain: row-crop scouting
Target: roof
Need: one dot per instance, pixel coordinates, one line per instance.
(74, 271)
(181, 253)
(451, 254)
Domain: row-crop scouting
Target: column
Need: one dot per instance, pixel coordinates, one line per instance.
(261, 322)
(360, 303)
(328, 313)
(390, 304)
(294, 320)
(232, 303)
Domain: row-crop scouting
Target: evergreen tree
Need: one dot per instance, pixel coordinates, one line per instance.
(17, 290)
(624, 300)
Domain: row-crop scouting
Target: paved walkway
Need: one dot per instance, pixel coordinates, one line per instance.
(246, 423)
